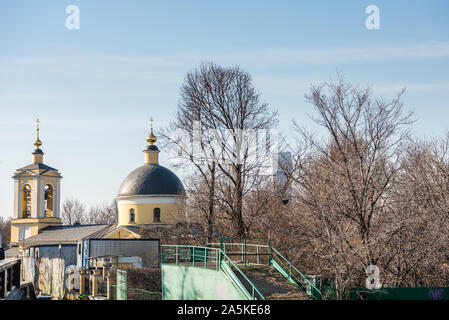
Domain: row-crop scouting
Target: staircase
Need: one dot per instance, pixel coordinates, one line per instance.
(269, 271)
(272, 284)
(254, 271)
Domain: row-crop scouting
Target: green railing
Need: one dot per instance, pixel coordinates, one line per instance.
(277, 259)
(255, 293)
(268, 255)
(194, 256)
(245, 253)
(214, 258)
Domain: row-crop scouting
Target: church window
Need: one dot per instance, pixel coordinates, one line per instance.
(132, 215)
(157, 215)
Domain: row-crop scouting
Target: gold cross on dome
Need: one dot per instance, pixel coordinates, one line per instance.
(37, 143)
(151, 138)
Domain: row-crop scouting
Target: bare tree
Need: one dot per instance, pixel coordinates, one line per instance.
(343, 184)
(416, 246)
(227, 110)
(363, 194)
(192, 148)
(201, 204)
(73, 211)
(5, 231)
(103, 214)
(366, 139)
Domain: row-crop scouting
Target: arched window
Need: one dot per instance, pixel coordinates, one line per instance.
(49, 200)
(157, 215)
(26, 201)
(132, 215)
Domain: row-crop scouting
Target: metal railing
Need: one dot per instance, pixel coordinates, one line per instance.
(194, 256)
(245, 253)
(9, 276)
(257, 254)
(206, 257)
(297, 276)
(255, 293)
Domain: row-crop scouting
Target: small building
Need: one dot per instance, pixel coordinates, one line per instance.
(79, 245)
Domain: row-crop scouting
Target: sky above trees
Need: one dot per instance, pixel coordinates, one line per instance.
(95, 88)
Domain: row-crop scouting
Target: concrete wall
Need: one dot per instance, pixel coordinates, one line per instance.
(191, 283)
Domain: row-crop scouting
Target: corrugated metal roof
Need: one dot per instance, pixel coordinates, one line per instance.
(135, 230)
(68, 234)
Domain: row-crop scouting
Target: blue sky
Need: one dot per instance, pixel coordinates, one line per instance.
(95, 88)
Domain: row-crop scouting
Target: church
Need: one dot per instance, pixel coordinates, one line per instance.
(151, 195)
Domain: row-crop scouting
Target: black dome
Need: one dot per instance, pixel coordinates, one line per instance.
(151, 179)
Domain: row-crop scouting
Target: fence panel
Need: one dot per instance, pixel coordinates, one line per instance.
(28, 271)
(57, 278)
(122, 285)
(50, 277)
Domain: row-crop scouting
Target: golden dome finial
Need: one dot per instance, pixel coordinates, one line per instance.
(151, 138)
(37, 143)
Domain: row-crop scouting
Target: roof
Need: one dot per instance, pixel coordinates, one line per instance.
(151, 179)
(69, 234)
(151, 148)
(132, 229)
(36, 166)
(43, 168)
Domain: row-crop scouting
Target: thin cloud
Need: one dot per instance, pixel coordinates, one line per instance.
(277, 57)
(411, 87)
(337, 55)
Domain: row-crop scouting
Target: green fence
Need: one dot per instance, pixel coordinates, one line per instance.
(190, 255)
(122, 285)
(245, 253)
(402, 293)
(386, 293)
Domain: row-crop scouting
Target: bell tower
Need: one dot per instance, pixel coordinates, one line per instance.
(37, 195)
